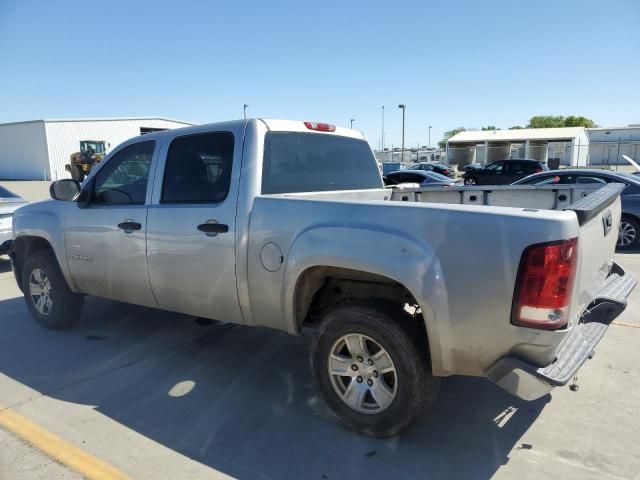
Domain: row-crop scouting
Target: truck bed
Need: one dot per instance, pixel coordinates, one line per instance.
(461, 252)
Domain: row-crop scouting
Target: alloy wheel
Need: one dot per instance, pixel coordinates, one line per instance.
(626, 234)
(362, 373)
(40, 291)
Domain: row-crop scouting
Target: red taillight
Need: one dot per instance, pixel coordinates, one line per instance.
(446, 172)
(321, 127)
(545, 284)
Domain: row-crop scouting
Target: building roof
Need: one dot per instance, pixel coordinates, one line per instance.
(614, 129)
(614, 134)
(107, 119)
(521, 134)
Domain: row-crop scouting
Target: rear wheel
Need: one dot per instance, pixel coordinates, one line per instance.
(628, 233)
(369, 371)
(470, 181)
(49, 300)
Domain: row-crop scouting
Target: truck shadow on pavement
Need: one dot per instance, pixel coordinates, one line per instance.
(241, 400)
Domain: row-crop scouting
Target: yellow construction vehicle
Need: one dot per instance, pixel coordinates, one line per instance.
(91, 153)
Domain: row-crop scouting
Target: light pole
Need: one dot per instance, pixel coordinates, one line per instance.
(382, 127)
(429, 137)
(244, 108)
(352, 120)
(403, 107)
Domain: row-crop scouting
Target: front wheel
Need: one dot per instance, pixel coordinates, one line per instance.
(49, 300)
(76, 173)
(470, 181)
(370, 372)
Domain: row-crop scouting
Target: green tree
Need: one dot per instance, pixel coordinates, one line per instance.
(546, 121)
(490, 127)
(516, 127)
(448, 134)
(573, 121)
(555, 121)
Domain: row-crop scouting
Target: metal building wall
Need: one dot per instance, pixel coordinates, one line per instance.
(23, 151)
(63, 137)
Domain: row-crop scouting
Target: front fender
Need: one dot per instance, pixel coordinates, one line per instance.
(44, 220)
(392, 254)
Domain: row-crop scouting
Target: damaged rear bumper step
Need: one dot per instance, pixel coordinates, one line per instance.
(530, 382)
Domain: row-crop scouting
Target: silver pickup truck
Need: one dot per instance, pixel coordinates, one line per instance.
(287, 225)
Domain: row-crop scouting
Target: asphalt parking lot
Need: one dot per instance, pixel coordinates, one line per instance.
(161, 395)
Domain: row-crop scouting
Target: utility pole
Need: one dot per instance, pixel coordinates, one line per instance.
(352, 120)
(429, 137)
(382, 127)
(244, 108)
(403, 107)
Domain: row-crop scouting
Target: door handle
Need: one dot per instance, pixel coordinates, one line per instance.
(129, 226)
(213, 227)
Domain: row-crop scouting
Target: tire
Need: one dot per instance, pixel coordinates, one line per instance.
(42, 279)
(628, 234)
(403, 393)
(76, 174)
(471, 181)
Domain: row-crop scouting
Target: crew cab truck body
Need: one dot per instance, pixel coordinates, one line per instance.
(286, 225)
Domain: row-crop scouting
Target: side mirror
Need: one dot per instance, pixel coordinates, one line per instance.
(65, 190)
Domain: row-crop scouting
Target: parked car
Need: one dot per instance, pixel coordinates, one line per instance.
(503, 172)
(287, 225)
(472, 166)
(9, 203)
(422, 177)
(629, 234)
(434, 167)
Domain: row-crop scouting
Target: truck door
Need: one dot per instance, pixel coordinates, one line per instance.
(105, 242)
(191, 224)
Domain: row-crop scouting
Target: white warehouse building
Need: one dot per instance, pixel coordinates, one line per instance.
(40, 149)
(562, 146)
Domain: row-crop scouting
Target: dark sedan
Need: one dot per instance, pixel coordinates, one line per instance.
(503, 172)
(434, 167)
(629, 234)
(421, 177)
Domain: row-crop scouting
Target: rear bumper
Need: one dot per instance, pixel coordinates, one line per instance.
(530, 382)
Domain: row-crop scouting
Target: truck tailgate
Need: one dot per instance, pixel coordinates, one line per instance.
(599, 218)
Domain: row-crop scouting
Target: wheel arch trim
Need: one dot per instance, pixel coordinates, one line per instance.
(416, 269)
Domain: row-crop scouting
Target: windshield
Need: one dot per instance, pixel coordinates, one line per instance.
(629, 176)
(311, 162)
(4, 193)
(439, 177)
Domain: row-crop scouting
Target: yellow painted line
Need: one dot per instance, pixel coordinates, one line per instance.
(632, 325)
(59, 449)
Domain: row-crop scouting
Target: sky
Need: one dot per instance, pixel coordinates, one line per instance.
(452, 63)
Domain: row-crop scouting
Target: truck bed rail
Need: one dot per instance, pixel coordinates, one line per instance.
(545, 197)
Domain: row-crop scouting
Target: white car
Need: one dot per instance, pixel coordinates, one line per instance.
(9, 203)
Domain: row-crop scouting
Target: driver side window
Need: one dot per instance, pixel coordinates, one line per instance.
(123, 180)
(495, 167)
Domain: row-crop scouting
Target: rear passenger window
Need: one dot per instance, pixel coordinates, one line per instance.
(198, 168)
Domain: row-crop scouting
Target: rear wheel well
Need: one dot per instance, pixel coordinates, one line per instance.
(320, 289)
(23, 248)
